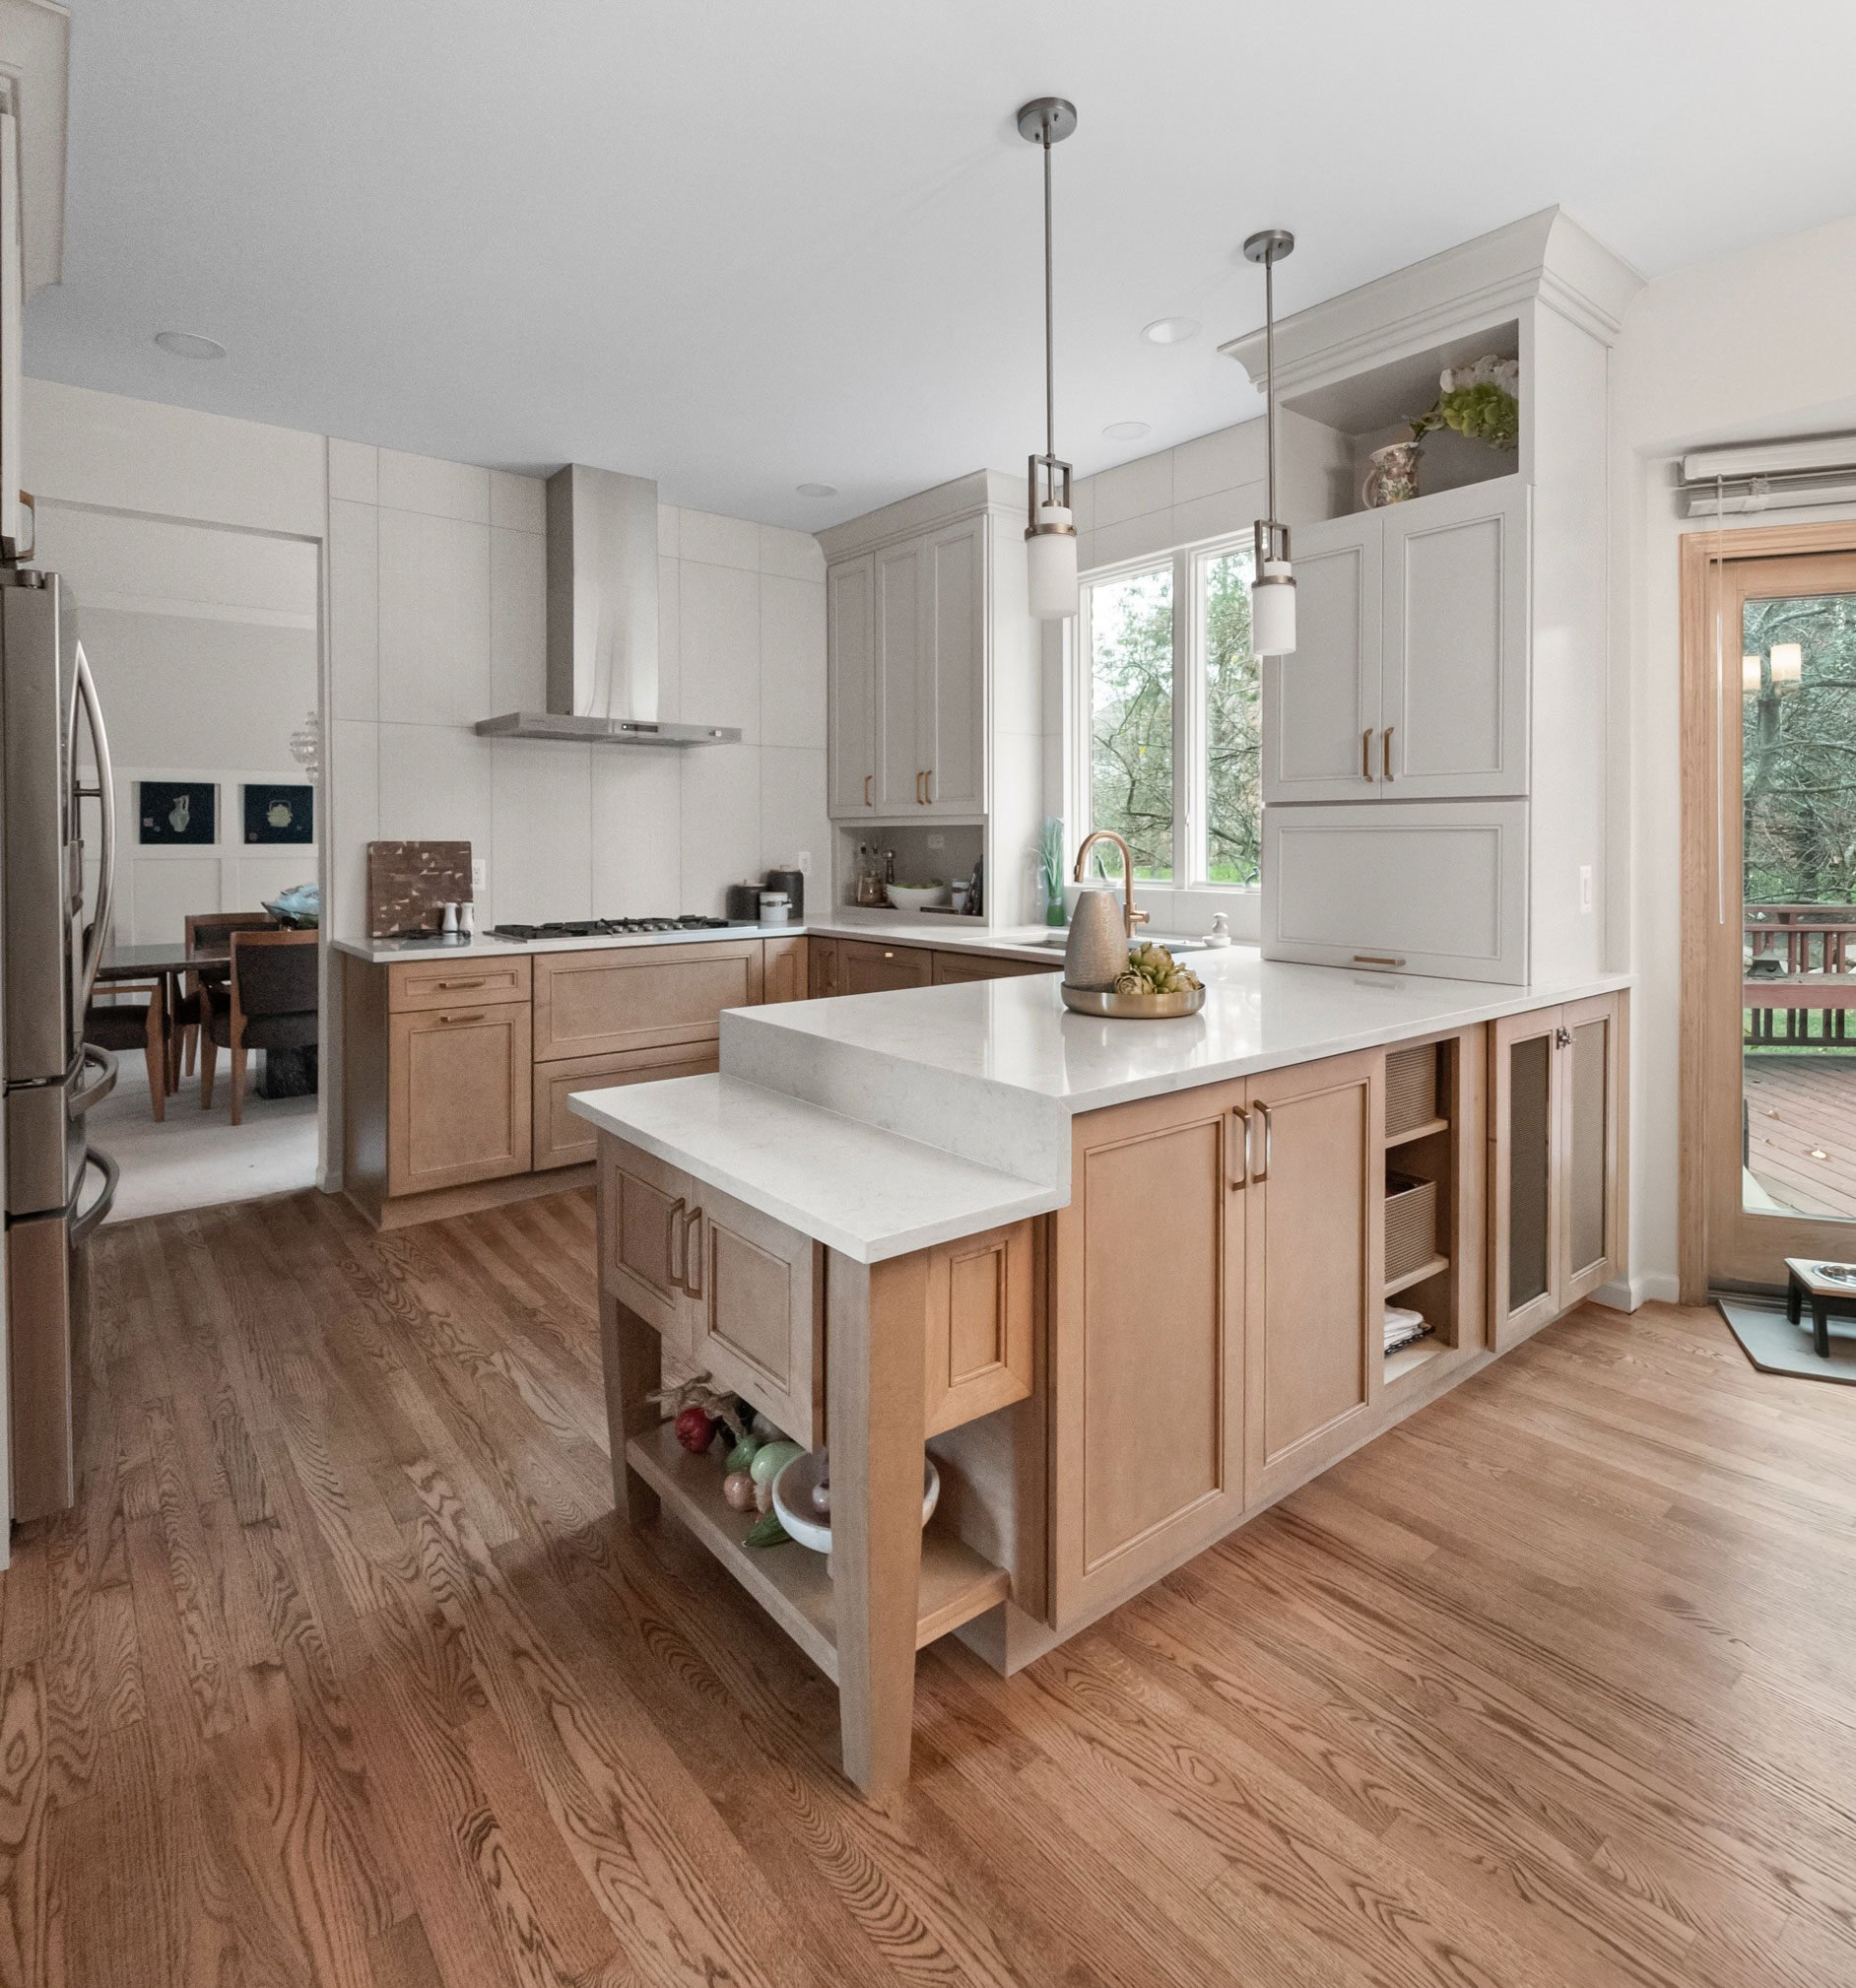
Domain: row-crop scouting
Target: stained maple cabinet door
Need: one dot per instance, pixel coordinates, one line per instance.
(1315, 1264)
(1147, 1344)
(459, 1096)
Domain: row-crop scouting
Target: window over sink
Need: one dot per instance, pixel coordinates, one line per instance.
(1168, 696)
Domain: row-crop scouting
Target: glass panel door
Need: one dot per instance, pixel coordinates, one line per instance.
(1530, 1170)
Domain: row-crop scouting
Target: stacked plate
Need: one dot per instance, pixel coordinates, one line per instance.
(1404, 1327)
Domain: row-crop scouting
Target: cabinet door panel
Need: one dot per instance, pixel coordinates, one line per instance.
(1319, 703)
(1456, 642)
(821, 969)
(457, 1097)
(900, 619)
(564, 1140)
(1147, 1344)
(951, 694)
(784, 970)
(1591, 1144)
(851, 678)
(451, 984)
(759, 1311)
(1315, 1264)
(643, 1207)
(639, 997)
(867, 968)
(1525, 1277)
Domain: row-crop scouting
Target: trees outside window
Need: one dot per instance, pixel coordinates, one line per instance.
(1174, 714)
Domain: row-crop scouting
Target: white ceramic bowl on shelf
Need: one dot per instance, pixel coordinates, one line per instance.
(907, 898)
(792, 1499)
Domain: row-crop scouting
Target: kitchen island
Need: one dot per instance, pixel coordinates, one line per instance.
(1125, 1282)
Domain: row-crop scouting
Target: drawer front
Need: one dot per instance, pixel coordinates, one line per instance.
(1427, 886)
(590, 1004)
(953, 968)
(561, 1139)
(413, 984)
(644, 1213)
(458, 1097)
(981, 1326)
(867, 968)
(759, 1311)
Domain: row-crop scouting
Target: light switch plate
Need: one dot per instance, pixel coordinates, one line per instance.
(803, 862)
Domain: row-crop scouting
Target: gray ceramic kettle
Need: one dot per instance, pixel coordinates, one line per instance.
(1097, 951)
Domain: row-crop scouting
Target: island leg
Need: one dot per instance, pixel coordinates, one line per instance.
(632, 1355)
(874, 1363)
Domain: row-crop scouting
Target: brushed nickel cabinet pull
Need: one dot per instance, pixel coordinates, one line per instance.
(1385, 750)
(1365, 754)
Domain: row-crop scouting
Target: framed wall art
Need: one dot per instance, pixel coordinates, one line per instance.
(277, 813)
(174, 812)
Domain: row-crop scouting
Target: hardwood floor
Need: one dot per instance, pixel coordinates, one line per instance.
(339, 1674)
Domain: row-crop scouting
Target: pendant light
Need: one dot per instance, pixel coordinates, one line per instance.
(1050, 533)
(1272, 586)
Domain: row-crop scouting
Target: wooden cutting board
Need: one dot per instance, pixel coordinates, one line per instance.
(409, 885)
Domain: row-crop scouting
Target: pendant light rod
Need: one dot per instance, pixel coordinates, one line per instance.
(1268, 246)
(1050, 311)
(1050, 527)
(1273, 588)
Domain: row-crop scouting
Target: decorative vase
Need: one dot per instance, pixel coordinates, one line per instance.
(1393, 478)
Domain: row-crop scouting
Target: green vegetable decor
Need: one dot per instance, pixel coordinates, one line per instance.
(1478, 401)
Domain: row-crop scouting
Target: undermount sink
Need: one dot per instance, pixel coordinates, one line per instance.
(1057, 942)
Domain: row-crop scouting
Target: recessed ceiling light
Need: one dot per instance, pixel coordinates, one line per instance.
(1125, 431)
(817, 489)
(1170, 330)
(189, 345)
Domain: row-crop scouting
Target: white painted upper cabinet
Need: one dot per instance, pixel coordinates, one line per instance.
(1454, 664)
(951, 686)
(851, 679)
(1321, 705)
(1410, 677)
(902, 610)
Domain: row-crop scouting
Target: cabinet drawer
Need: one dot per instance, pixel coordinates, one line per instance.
(951, 968)
(865, 967)
(457, 1097)
(643, 1217)
(590, 1004)
(757, 1305)
(981, 1326)
(446, 983)
(561, 1139)
(1436, 886)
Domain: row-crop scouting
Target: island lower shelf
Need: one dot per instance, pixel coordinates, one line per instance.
(791, 1583)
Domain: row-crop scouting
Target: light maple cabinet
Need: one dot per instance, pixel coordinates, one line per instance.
(866, 967)
(1557, 1161)
(639, 997)
(1410, 677)
(458, 1100)
(785, 970)
(823, 975)
(560, 1138)
(951, 968)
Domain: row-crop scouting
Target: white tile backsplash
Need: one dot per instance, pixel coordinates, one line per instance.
(719, 645)
(540, 828)
(637, 832)
(354, 610)
(718, 541)
(669, 637)
(519, 622)
(792, 810)
(425, 482)
(792, 662)
(435, 620)
(434, 783)
(720, 796)
(517, 503)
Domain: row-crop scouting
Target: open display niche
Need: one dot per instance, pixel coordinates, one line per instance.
(1433, 1189)
(924, 852)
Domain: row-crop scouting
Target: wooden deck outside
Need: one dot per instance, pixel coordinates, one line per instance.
(1801, 1130)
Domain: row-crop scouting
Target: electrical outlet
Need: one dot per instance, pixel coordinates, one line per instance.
(803, 862)
(479, 873)
(1585, 886)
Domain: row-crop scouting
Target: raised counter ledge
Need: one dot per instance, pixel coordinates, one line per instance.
(867, 1193)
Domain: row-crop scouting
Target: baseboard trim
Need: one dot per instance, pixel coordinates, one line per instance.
(1625, 1294)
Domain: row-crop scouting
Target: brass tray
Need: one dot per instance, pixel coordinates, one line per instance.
(1134, 1007)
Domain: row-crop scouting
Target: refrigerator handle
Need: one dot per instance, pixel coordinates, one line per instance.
(102, 1060)
(81, 1224)
(104, 794)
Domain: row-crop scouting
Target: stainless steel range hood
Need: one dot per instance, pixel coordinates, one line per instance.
(602, 620)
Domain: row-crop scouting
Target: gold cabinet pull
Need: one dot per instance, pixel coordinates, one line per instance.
(1378, 959)
(671, 1235)
(1365, 754)
(451, 1021)
(1239, 1176)
(868, 777)
(928, 788)
(692, 1257)
(1262, 1174)
(1385, 750)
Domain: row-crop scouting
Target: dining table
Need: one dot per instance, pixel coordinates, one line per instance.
(167, 964)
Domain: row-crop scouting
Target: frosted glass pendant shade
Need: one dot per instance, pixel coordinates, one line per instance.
(1273, 611)
(1050, 560)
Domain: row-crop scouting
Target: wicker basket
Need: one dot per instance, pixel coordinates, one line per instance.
(1411, 1223)
(1411, 1088)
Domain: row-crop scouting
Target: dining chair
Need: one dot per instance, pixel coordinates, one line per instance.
(206, 928)
(135, 1024)
(270, 1002)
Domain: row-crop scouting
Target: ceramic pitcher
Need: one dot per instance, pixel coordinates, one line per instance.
(1393, 478)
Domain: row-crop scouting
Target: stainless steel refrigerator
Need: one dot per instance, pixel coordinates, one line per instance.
(58, 1187)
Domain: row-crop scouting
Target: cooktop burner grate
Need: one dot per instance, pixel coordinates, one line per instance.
(607, 928)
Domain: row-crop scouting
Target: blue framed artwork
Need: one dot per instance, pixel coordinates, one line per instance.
(280, 814)
(177, 811)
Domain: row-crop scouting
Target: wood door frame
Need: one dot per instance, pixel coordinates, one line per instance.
(1701, 552)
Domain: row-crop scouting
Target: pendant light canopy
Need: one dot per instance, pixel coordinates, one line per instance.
(1050, 532)
(1272, 586)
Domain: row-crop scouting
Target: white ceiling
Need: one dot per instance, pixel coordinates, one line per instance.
(742, 247)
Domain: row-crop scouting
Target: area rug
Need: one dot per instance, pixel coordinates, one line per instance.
(1776, 1345)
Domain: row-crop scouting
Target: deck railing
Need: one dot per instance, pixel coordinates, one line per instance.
(1799, 961)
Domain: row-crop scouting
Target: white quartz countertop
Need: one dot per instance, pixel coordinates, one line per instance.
(867, 1193)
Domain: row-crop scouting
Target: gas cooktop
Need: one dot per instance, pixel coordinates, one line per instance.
(609, 928)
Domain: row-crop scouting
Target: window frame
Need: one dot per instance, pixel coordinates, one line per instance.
(1192, 740)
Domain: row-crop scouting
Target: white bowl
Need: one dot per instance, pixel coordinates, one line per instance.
(792, 1499)
(905, 899)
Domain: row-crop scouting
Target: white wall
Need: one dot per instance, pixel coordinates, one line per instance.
(203, 642)
(1753, 343)
(1203, 489)
(438, 576)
